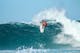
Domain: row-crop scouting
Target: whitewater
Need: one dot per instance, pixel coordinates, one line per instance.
(71, 28)
(61, 35)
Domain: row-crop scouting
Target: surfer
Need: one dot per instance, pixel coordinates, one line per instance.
(43, 25)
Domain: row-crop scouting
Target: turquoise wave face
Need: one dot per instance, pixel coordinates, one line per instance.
(16, 35)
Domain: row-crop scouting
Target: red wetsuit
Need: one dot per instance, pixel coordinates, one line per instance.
(44, 23)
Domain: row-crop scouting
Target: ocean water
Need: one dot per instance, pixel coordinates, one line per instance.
(26, 38)
(20, 34)
(61, 35)
(40, 51)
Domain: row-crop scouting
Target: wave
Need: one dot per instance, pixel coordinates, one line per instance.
(70, 31)
(19, 34)
(61, 32)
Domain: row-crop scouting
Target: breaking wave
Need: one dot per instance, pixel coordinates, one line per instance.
(60, 34)
(70, 28)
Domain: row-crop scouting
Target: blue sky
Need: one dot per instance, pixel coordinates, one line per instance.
(23, 10)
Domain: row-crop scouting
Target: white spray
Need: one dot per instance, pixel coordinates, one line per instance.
(70, 27)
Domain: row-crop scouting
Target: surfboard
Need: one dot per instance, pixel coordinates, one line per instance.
(41, 28)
